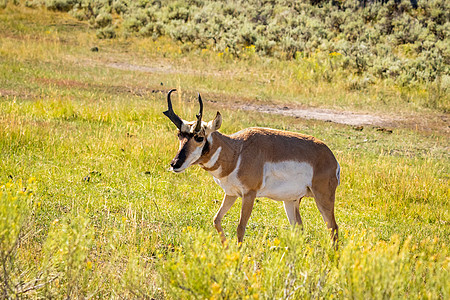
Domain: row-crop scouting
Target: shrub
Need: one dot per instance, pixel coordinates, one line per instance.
(106, 33)
(60, 5)
(103, 20)
(132, 24)
(3, 3)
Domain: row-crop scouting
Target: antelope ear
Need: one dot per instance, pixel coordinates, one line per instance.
(216, 123)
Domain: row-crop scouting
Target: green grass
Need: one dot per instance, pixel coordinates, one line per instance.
(102, 217)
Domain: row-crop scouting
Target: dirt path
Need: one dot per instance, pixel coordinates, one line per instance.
(423, 122)
(432, 122)
(328, 115)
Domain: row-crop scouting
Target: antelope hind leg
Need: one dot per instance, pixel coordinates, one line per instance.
(293, 212)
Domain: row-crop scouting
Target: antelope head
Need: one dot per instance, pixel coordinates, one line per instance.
(194, 136)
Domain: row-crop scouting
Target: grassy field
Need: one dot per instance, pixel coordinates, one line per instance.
(89, 210)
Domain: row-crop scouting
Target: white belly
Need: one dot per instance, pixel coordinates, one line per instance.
(288, 180)
(282, 181)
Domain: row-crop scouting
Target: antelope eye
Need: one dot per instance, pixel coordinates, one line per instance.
(199, 139)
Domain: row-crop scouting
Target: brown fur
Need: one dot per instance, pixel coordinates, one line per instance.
(259, 145)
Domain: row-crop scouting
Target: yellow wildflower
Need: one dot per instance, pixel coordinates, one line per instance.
(233, 256)
(276, 242)
(216, 289)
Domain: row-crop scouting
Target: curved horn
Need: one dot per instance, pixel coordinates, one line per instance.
(198, 126)
(171, 114)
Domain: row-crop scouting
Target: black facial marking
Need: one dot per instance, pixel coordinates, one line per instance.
(178, 161)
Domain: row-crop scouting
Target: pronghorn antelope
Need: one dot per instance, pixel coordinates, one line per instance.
(259, 162)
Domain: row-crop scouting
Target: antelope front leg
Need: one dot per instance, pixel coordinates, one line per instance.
(227, 203)
(247, 206)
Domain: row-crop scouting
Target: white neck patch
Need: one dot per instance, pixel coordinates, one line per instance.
(212, 161)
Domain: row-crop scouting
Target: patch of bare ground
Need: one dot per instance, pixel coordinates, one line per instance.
(327, 115)
(426, 122)
(422, 122)
(432, 122)
(439, 122)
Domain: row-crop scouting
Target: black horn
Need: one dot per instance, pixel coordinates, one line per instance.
(198, 126)
(171, 114)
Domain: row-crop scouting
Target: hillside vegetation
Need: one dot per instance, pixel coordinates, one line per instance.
(391, 40)
(89, 210)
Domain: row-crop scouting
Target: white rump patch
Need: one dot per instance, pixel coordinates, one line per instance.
(287, 180)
